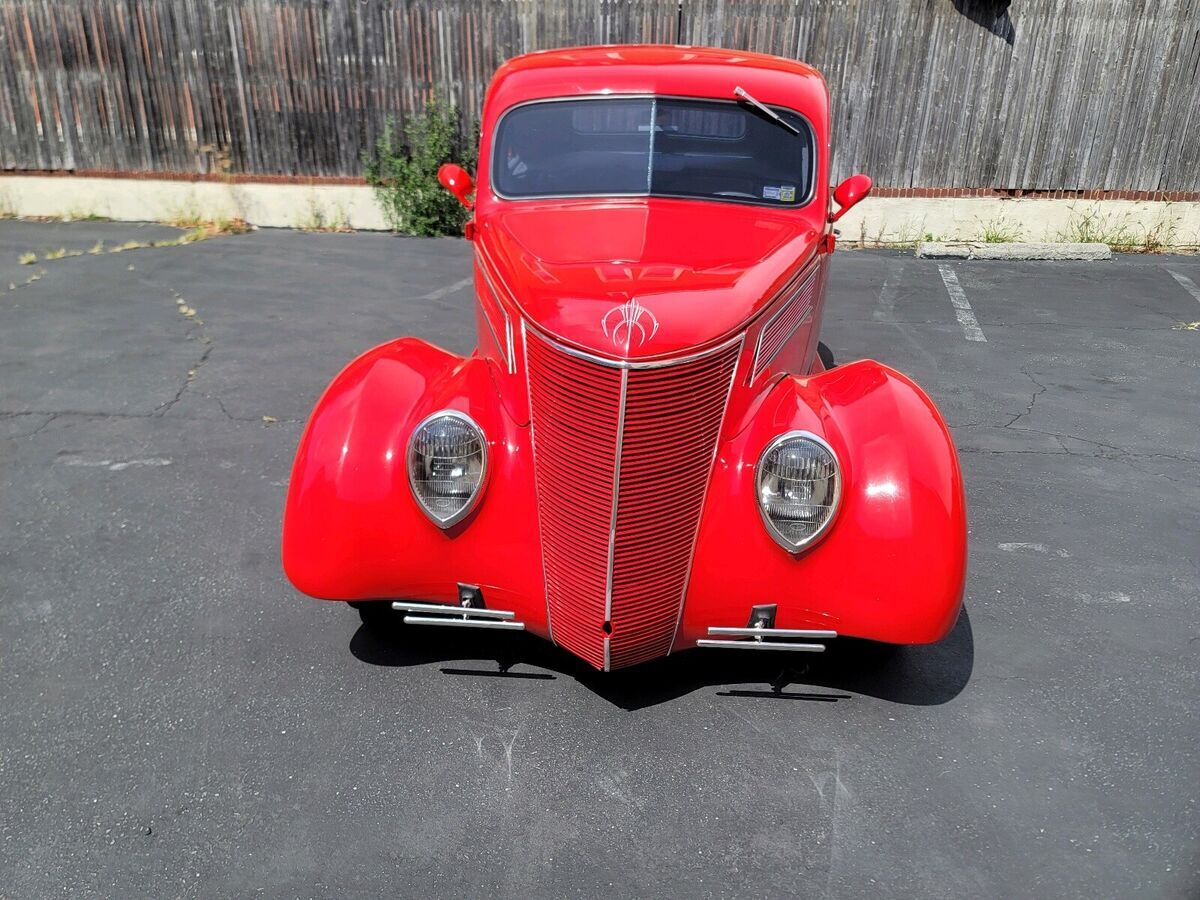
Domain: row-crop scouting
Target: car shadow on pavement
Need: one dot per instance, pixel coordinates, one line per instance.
(913, 675)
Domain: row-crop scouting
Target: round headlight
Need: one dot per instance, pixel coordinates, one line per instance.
(799, 484)
(447, 459)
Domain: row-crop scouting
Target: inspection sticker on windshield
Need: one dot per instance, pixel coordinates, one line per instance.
(786, 193)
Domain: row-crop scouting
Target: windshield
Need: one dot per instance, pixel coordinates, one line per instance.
(712, 149)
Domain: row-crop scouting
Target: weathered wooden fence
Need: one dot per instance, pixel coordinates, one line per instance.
(1050, 94)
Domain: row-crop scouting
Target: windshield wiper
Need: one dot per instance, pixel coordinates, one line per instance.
(742, 94)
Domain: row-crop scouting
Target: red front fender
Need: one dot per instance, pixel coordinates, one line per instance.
(891, 567)
(352, 529)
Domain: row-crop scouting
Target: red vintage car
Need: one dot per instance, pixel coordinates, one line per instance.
(650, 450)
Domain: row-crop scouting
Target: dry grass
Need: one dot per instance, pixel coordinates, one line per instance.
(1123, 235)
(316, 218)
(130, 245)
(203, 231)
(215, 228)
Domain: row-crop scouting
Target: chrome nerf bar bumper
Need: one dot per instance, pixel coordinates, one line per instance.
(756, 637)
(471, 614)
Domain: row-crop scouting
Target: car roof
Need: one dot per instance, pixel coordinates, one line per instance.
(652, 55)
(657, 69)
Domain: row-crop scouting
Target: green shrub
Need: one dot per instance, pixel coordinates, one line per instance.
(404, 172)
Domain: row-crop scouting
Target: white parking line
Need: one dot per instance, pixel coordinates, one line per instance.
(441, 292)
(962, 308)
(1186, 283)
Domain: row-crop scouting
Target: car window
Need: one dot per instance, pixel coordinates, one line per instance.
(671, 147)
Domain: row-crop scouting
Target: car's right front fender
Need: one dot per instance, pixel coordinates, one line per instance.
(352, 529)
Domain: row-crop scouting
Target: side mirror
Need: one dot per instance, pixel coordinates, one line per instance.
(848, 193)
(456, 180)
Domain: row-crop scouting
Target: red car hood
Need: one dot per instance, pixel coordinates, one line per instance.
(642, 278)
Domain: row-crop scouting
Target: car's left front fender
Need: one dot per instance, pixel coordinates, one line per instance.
(891, 567)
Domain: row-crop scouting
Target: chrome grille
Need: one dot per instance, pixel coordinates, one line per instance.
(646, 436)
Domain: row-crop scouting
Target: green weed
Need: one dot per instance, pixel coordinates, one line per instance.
(998, 231)
(403, 172)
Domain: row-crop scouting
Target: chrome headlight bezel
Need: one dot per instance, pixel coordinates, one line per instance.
(835, 504)
(410, 449)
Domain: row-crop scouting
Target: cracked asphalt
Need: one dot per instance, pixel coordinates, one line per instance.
(177, 721)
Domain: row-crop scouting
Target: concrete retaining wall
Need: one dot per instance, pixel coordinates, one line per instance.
(899, 220)
(875, 221)
(153, 200)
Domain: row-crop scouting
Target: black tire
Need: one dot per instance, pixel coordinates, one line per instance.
(378, 615)
(826, 355)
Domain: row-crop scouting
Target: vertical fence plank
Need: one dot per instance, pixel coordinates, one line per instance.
(1071, 94)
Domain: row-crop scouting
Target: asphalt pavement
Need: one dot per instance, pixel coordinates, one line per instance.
(178, 721)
